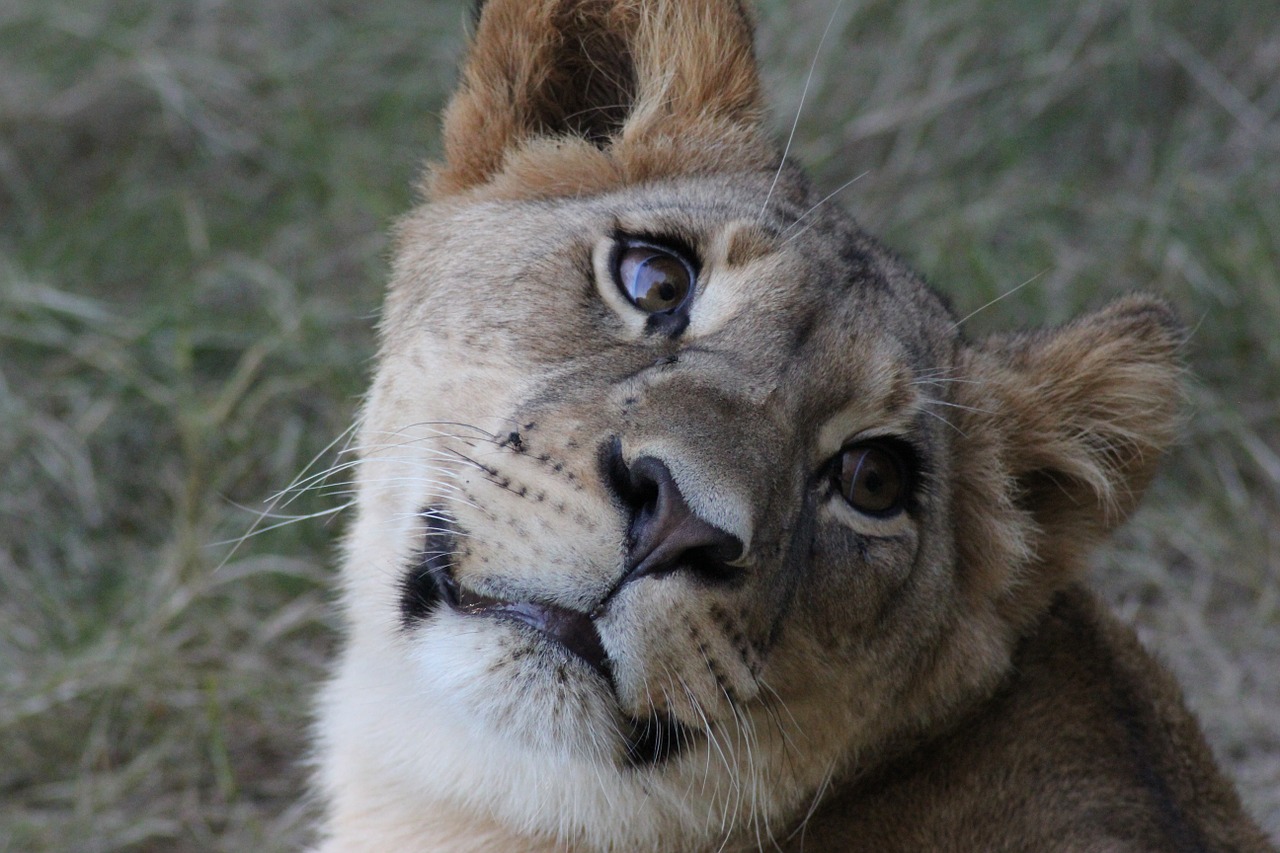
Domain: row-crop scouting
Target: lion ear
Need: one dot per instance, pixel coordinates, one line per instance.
(651, 85)
(1075, 419)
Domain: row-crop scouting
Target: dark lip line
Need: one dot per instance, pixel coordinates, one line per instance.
(571, 629)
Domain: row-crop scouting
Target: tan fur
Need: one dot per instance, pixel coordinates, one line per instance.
(544, 72)
(928, 678)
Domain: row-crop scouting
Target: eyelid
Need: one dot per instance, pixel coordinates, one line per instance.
(671, 242)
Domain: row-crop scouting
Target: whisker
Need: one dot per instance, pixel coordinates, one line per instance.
(945, 421)
(818, 796)
(819, 204)
(929, 402)
(274, 503)
(799, 109)
(1007, 293)
(258, 529)
(773, 706)
(938, 380)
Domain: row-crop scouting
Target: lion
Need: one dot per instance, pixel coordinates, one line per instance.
(689, 518)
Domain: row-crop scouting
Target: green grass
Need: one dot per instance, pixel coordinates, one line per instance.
(193, 202)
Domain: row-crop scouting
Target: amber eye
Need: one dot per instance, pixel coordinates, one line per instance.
(873, 478)
(654, 280)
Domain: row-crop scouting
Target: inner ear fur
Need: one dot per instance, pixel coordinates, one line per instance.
(1062, 431)
(583, 93)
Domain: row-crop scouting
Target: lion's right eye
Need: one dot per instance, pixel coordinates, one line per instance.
(653, 279)
(874, 478)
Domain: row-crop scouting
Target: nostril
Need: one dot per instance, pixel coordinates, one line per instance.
(615, 471)
(665, 533)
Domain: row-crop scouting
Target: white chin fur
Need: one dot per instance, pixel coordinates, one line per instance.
(424, 721)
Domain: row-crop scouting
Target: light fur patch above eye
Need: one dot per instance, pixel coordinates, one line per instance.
(745, 242)
(884, 403)
(740, 256)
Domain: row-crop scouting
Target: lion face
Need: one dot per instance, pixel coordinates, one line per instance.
(645, 513)
(658, 542)
(679, 494)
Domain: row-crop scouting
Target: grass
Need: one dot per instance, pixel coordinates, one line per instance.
(193, 202)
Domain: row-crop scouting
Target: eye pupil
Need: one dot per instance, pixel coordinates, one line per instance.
(654, 280)
(873, 479)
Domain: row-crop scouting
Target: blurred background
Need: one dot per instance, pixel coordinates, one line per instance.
(194, 202)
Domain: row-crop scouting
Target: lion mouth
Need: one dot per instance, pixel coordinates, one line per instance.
(572, 630)
(430, 585)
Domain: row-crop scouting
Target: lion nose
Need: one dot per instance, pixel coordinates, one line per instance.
(666, 535)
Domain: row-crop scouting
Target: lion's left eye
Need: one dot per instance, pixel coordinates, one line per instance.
(874, 478)
(654, 280)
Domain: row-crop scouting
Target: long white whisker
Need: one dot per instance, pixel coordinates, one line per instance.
(274, 503)
(799, 109)
(779, 702)
(957, 406)
(966, 317)
(258, 529)
(945, 421)
(820, 203)
(302, 486)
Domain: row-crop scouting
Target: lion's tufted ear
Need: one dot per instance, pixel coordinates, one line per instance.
(574, 95)
(1063, 429)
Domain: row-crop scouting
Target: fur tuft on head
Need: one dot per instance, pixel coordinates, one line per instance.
(565, 97)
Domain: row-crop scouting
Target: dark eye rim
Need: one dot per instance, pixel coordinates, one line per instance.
(676, 248)
(904, 456)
